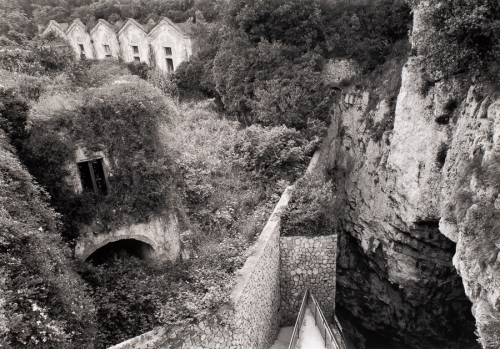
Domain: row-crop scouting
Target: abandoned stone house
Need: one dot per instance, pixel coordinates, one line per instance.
(163, 44)
(157, 238)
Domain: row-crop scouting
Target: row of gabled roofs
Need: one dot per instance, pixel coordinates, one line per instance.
(149, 28)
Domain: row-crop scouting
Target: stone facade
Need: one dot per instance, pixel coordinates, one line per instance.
(337, 70)
(134, 43)
(80, 40)
(161, 233)
(169, 48)
(307, 262)
(105, 40)
(166, 45)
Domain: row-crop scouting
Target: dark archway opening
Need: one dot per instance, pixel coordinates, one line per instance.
(121, 249)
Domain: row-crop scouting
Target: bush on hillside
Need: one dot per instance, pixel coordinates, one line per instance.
(272, 153)
(13, 116)
(38, 57)
(312, 210)
(43, 302)
(122, 120)
(464, 37)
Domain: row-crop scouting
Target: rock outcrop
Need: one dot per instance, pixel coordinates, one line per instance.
(421, 203)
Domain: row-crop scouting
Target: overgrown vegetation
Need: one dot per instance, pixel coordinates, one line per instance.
(133, 297)
(43, 303)
(19, 19)
(143, 175)
(265, 65)
(461, 38)
(233, 177)
(313, 209)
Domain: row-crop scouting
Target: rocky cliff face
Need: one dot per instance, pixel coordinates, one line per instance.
(421, 203)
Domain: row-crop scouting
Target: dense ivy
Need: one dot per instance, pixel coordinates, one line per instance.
(121, 120)
(43, 303)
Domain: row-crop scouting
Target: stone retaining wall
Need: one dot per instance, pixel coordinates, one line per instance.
(307, 262)
(251, 318)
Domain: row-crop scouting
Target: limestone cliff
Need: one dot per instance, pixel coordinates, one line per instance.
(421, 203)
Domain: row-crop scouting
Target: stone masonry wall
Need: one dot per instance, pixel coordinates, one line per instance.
(251, 318)
(337, 70)
(307, 262)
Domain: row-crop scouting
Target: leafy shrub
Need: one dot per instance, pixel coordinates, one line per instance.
(13, 116)
(95, 73)
(368, 31)
(464, 36)
(164, 82)
(312, 209)
(140, 69)
(133, 296)
(38, 57)
(272, 153)
(44, 303)
(143, 175)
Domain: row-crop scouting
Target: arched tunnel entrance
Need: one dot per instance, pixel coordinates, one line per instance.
(125, 248)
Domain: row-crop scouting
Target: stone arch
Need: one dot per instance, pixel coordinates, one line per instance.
(90, 250)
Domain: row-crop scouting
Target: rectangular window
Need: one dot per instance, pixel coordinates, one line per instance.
(92, 176)
(170, 65)
(82, 51)
(137, 59)
(107, 51)
(135, 50)
(168, 51)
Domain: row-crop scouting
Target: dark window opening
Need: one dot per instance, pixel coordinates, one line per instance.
(107, 51)
(135, 49)
(137, 59)
(92, 176)
(170, 65)
(82, 51)
(121, 249)
(168, 51)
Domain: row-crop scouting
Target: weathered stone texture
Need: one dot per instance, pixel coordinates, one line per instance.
(307, 262)
(103, 34)
(131, 35)
(78, 37)
(161, 233)
(336, 70)
(250, 320)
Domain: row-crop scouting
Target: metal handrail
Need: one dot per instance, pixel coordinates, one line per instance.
(331, 340)
(298, 322)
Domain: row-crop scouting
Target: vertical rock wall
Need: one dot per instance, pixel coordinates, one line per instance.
(307, 263)
(395, 277)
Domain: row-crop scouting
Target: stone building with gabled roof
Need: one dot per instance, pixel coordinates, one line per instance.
(134, 42)
(169, 44)
(105, 40)
(164, 44)
(80, 40)
(58, 28)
